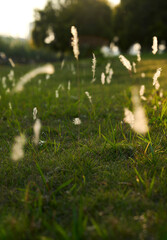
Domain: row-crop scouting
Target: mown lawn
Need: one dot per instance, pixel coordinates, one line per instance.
(97, 180)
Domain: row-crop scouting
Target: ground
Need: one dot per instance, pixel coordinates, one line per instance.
(97, 180)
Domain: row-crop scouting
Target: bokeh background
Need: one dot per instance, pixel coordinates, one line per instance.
(40, 30)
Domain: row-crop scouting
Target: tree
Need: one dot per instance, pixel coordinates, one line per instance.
(93, 19)
(139, 21)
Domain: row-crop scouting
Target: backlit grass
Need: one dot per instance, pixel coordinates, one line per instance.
(98, 180)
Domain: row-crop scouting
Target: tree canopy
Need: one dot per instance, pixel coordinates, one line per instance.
(139, 21)
(92, 18)
(97, 23)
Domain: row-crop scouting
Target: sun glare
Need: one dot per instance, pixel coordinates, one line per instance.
(115, 2)
(16, 16)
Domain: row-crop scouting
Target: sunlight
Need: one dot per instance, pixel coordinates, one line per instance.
(115, 2)
(17, 15)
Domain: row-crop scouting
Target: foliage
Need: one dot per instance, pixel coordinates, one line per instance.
(80, 13)
(133, 21)
(105, 183)
(22, 52)
(139, 21)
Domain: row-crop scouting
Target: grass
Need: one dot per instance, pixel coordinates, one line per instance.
(99, 180)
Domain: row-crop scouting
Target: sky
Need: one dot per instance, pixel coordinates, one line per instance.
(16, 16)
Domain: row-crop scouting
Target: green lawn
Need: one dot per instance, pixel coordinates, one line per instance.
(98, 180)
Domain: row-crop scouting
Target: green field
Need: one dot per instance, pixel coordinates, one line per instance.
(97, 180)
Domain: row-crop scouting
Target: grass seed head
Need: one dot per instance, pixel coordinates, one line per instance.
(94, 67)
(37, 129)
(140, 119)
(11, 62)
(10, 106)
(108, 68)
(75, 42)
(18, 148)
(129, 117)
(57, 93)
(161, 93)
(141, 92)
(77, 121)
(103, 78)
(35, 111)
(69, 86)
(155, 45)
(89, 97)
(139, 56)
(46, 69)
(141, 123)
(125, 62)
(155, 78)
(134, 67)
(136, 119)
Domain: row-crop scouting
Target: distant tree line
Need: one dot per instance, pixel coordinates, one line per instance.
(97, 23)
(21, 52)
(139, 21)
(92, 18)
